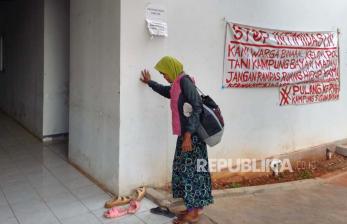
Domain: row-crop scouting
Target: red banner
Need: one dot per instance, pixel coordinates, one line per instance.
(258, 57)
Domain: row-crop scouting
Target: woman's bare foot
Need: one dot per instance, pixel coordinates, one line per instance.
(188, 217)
(181, 213)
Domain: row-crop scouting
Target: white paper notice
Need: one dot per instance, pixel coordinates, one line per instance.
(156, 20)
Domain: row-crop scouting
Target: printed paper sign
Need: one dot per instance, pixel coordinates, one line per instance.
(156, 20)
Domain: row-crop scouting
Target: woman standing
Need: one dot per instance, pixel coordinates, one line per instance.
(186, 106)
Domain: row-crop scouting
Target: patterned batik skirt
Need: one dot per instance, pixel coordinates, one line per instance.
(189, 183)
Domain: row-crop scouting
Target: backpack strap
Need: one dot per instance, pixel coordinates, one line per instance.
(197, 88)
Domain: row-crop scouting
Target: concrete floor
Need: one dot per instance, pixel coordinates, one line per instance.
(323, 202)
(38, 186)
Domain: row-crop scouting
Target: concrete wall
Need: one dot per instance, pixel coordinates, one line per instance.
(21, 87)
(144, 128)
(56, 67)
(94, 88)
(255, 125)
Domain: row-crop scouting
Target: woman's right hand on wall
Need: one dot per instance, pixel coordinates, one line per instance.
(145, 76)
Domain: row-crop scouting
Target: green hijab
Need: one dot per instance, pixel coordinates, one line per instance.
(170, 66)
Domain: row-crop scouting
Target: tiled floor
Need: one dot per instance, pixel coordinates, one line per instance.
(38, 186)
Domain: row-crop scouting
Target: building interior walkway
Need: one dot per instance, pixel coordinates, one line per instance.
(39, 186)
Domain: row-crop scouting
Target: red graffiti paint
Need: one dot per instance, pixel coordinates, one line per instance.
(302, 64)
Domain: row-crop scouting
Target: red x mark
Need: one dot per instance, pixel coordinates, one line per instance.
(285, 95)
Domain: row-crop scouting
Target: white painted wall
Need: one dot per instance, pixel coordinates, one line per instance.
(56, 67)
(94, 88)
(21, 86)
(255, 125)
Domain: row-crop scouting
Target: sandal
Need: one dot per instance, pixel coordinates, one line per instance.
(115, 212)
(138, 196)
(134, 206)
(140, 193)
(117, 201)
(162, 211)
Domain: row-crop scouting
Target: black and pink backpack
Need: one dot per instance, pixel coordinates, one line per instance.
(211, 127)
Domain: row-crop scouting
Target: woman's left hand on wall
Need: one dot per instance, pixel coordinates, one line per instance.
(146, 76)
